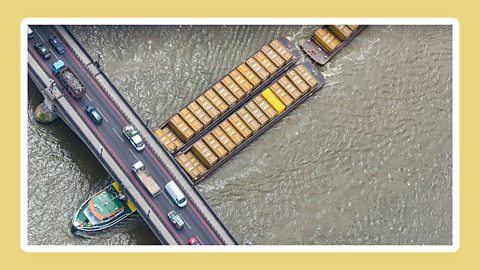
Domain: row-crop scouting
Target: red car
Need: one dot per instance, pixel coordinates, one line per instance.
(194, 242)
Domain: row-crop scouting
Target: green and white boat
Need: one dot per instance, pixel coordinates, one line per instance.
(103, 210)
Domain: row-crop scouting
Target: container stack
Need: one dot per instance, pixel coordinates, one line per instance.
(247, 121)
(221, 98)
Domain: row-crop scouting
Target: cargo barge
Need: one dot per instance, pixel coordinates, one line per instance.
(328, 40)
(248, 122)
(227, 95)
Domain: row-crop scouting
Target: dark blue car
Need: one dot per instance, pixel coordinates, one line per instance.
(93, 113)
(57, 44)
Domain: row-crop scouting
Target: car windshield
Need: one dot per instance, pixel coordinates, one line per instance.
(182, 200)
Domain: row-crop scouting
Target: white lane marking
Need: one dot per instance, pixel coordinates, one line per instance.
(88, 97)
(199, 240)
(39, 35)
(118, 135)
(133, 154)
(185, 221)
(102, 114)
(167, 198)
(54, 54)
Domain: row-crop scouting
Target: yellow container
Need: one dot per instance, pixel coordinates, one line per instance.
(271, 98)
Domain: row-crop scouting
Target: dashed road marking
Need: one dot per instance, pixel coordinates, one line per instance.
(88, 97)
(120, 137)
(168, 199)
(102, 115)
(133, 154)
(185, 221)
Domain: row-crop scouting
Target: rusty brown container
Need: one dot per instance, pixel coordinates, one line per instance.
(342, 32)
(261, 72)
(241, 81)
(223, 138)
(298, 81)
(216, 100)
(168, 139)
(249, 74)
(269, 111)
(291, 89)
(191, 165)
(249, 119)
(204, 154)
(225, 94)
(215, 146)
(191, 120)
(265, 62)
(257, 113)
(199, 113)
(326, 39)
(233, 87)
(232, 132)
(306, 75)
(180, 128)
(238, 123)
(208, 107)
(353, 27)
(281, 94)
(280, 49)
(273, 56)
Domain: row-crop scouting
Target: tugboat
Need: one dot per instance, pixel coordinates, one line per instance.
(103, 210)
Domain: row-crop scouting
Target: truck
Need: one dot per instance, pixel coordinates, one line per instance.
(134, 137)
(69, 79)
(146, 178)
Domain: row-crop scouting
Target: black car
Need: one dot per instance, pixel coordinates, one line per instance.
(57, 44)
(93, 113)
(42, 50)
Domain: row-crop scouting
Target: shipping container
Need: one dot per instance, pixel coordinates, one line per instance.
(281, 94)
(257, 113)
(298, 81)
(168, 139)
(233, 87)
(232, 132)
(199, 113)
(273, 100)
(269, 111)
(326, 39)
(306, 75)
(215, 145)
(342, 32)
(241, 127)
(248, 118)
(204, 154)
(180, 128)
(225, 94)
(191, 120)
(241, 81)
(258, 68)
(191, 165)
(273, 56)
(280, 49)
(265, 62)
(291, 89)
(249, 74)
(353, 27)
(208, 107)
(223, 138)
(216, 100)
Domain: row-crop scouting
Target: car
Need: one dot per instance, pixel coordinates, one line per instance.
(30, 32)
(176, 219)
(57, 44)
(94, 115)
(42, 50)
(193, 241)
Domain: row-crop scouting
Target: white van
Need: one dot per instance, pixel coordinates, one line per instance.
(176, 194)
